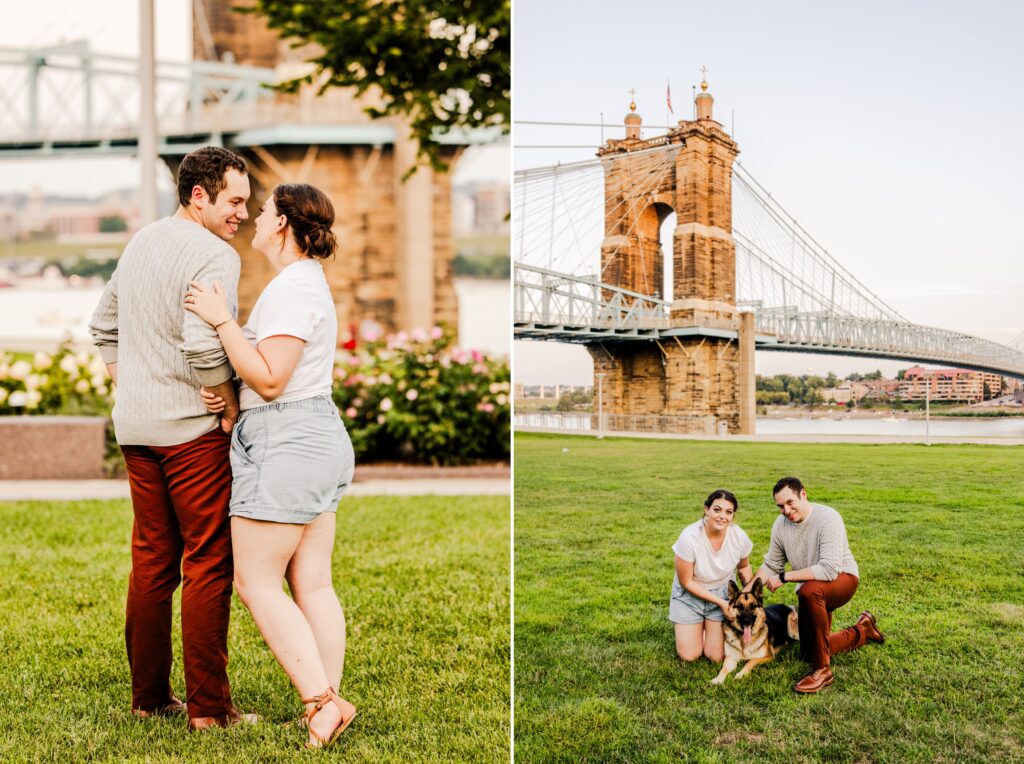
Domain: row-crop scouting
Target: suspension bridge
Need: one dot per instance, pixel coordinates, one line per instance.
(591, 268)
(394, 260)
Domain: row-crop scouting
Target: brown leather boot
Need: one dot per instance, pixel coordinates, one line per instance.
(174, 707)
(230, 719)
(869, 628)
(815, 681)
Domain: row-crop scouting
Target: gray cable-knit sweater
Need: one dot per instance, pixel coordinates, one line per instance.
(162, 351)
(818, 543)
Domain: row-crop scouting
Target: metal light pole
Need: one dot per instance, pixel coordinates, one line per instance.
(147, 114)
(600, 404)
(927, 413)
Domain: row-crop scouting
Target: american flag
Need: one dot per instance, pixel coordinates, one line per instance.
(668, 96)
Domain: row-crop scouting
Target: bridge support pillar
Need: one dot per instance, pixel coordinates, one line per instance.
(685, 385)
(395, 263)
(747, 378)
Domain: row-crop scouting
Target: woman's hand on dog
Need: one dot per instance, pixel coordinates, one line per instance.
(726, 609)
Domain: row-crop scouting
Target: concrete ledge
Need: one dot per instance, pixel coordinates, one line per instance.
(399, 471)
(79, 490)
(52, 447)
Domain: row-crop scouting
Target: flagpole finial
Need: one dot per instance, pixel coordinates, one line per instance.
(633, 120)
(704, 100)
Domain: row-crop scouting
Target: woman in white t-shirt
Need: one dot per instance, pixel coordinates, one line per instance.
(707, 555)
(291, 458)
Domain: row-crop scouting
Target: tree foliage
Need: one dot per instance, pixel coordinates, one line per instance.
(443, 64)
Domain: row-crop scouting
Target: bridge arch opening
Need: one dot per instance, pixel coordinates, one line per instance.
(666, 240)
(654, 231)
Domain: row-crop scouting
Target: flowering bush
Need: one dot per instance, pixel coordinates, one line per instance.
(417, 396)
(407, 396)
(65, 383)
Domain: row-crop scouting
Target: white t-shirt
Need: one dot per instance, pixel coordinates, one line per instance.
(298, 303)
(711, 568)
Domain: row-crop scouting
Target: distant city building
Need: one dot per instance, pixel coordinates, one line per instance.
(480, 208)
(842, 394)
(958, 385)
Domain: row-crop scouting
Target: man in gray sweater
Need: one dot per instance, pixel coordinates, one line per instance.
(176, 452)
(812, 538)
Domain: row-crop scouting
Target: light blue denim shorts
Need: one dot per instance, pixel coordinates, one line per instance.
(687, 608)
(290, 462)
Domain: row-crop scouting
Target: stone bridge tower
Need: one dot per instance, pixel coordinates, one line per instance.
(394, 264)
(706, 370)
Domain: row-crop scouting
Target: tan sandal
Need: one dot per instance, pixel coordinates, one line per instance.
(348, 713)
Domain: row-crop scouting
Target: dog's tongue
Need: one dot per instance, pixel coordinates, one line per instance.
(746, 635)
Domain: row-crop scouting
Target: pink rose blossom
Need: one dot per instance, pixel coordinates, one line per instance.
(386, 405)
(486, 407)
(351, 412)
(412, 395)
(419, 335)
(436, 333)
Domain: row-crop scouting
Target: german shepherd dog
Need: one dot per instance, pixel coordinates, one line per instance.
(754, 633)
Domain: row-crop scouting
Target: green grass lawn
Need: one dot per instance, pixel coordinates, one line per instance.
(938, 534)
(424, 582)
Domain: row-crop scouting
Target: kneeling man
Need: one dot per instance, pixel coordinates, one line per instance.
(812, 539)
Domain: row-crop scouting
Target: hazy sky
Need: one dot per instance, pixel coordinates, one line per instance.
(889, 130)
(111, 26)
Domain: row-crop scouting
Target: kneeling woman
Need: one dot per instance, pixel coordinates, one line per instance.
(290, 454)
(708, 553)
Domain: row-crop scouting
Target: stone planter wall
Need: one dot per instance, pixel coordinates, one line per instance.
(51, 447)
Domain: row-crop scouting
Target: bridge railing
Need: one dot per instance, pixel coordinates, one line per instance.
(575, 421)
(69, 93)
(825, 331)
(551, 298)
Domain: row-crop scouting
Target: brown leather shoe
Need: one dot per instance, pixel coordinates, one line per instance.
(174, 707)
(230, 719)
(816, 681)
(869, 628)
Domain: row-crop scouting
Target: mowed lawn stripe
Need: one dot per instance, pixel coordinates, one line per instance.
(938, 534)
(424, 582)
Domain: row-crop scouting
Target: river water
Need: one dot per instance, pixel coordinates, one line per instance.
(1008, 427)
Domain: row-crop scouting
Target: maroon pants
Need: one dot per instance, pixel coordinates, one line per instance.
(180, 496)
(817, 600)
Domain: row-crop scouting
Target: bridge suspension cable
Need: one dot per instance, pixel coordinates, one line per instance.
(804, 299)
(562, 211)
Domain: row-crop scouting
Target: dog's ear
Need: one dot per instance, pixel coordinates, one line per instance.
(734, 591)
(758, 588)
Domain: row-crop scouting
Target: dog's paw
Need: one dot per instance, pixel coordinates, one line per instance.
(718, 680)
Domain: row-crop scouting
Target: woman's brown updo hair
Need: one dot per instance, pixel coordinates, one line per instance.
(310, 215)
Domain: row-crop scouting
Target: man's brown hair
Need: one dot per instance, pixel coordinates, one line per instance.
(205, 168)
